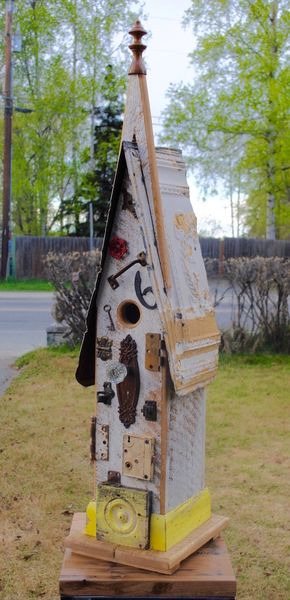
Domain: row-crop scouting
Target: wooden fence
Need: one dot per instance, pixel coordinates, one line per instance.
(235, 247)
(28, 252)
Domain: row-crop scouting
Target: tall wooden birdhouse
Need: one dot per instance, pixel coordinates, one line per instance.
(151, 349)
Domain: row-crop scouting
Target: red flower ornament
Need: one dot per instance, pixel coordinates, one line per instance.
(118, 247)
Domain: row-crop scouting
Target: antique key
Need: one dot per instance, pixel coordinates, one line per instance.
(107, 309)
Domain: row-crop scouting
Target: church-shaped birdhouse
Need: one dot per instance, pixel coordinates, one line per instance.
(151, 349)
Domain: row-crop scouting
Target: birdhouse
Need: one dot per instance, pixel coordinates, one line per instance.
(151, 349)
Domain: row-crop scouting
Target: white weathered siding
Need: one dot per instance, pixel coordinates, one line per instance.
(185, 450)
(127, 227)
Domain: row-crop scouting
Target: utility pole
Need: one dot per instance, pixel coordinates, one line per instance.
(7, 154)
(92, 167)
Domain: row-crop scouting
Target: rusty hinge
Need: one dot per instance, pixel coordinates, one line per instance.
(153, 359)
(102, 442)
(93, 438)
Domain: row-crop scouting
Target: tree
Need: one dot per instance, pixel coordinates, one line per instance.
(59, 76)
(96, 183)
(238, 106)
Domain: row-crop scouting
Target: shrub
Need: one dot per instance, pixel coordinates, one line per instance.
(73, 276)
(261, 288)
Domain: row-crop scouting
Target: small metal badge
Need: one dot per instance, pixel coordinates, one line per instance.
(104, 348)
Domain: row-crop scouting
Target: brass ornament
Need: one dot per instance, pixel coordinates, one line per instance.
(104, 348)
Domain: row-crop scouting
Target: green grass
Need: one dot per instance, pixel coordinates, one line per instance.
(255, 360)
(46, 472)
(26, 285)
(248, 460)
(32, 356)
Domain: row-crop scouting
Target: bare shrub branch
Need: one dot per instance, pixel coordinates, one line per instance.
(73, 276)
(261, 288)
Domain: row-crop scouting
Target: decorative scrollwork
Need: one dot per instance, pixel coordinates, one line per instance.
(140, 294)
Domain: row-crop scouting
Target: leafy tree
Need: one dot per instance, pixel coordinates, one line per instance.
(59, 76)
(234, 120)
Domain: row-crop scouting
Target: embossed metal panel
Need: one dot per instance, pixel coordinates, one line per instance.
(123, 515)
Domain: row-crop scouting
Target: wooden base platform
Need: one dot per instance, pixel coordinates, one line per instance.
(153, 560)
(206, 575)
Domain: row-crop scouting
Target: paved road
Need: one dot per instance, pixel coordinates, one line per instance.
(225, 309)
(24, 317)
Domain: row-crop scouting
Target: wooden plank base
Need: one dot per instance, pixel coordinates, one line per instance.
(152, 560)
(206, 575)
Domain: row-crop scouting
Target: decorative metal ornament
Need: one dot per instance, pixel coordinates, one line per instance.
(104, 348)
(140, 294)
(118, 247)
(128, 390)
(116, 372)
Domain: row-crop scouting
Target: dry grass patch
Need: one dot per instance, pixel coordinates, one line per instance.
(45, 460)
(248, 460)
(44, 455)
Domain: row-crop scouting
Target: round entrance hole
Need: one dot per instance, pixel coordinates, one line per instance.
(129, 313)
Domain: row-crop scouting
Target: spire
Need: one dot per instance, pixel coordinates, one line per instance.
(138, 125)
(137, 66)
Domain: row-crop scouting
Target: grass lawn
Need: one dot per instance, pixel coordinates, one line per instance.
(25, 285)
(44, 454)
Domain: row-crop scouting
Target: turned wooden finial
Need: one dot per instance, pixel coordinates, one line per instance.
(137, 67)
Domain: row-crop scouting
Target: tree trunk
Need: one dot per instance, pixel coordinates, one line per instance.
(272, 133)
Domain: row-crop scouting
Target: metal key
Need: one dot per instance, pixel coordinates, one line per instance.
(107, 309)
(141, 260)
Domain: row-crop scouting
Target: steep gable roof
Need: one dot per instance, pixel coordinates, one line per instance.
(173, 256)
(190, 332)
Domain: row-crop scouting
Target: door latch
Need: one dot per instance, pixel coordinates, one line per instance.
(93, 438)
(107, 394)
(149, 410)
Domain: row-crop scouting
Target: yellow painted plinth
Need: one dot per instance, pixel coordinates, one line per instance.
(91, 524)
(171, 528)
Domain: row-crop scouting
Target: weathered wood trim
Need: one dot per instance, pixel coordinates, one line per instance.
(197, 351)
(191, 330)
(153, 560)
(199, 381)
(161, 238)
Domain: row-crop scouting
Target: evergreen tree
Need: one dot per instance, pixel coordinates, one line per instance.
(96, 184)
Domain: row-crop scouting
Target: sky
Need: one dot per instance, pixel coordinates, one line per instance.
(167, 62)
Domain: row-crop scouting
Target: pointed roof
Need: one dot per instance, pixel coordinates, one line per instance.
(174, 259)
